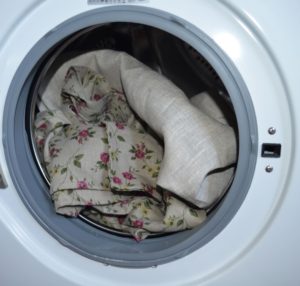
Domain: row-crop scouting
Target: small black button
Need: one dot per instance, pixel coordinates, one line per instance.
(271, 150)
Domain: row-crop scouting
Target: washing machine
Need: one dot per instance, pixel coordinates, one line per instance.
(245, 52)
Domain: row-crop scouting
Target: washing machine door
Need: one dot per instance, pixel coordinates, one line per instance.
(243, 230)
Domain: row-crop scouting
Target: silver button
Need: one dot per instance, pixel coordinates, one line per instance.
(272, 130)
(269, 168)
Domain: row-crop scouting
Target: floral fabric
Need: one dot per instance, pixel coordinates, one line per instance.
(200, 147)
(102, 160)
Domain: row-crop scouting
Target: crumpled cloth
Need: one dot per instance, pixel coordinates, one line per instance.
(100, 158)
(99, 155)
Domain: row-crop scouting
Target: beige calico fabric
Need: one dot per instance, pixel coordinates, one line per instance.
(92, 136)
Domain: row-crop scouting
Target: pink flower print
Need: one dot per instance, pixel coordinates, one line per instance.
(117, 180)
(128, 176)
(54, 152)
(120, 95)
(80, 104)
(82, 184)
(43, 126)
(120, 125)
(41, 142)
(140, 150)
(149, 189)
(104, 157)
(97, 96)
(124, 202)
(140, 154)
(121, 219)
(138, 223)
(84, 133)
(89, 203)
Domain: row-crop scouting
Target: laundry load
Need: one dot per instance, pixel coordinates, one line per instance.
(124, 145)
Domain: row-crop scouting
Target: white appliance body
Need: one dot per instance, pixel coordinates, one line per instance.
(260, 245)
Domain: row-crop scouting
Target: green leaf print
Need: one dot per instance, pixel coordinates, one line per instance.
(77, 163)
(114, 154)
(147, 205)
(155, 175)
(120, 138)
(104, 140)
(193, 212)
(180, 222)
(79, 157)
(63, 170)
(91, 77)
(58, 124)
